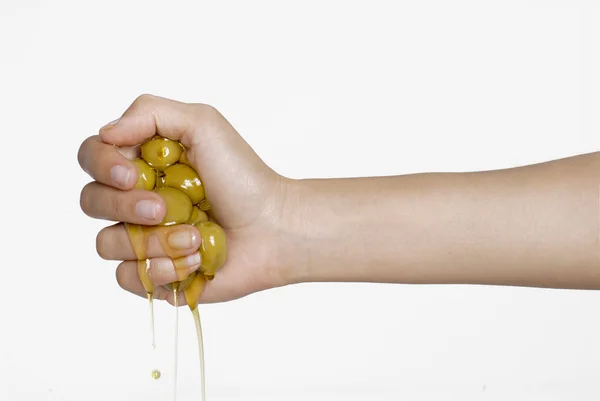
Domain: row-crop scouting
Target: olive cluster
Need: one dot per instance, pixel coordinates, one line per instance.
(164, 168)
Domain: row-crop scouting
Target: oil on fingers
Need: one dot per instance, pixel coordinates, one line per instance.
(128, 279)
(161, 271)
(113, 243)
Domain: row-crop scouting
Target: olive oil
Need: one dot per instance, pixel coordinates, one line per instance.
(164, 169)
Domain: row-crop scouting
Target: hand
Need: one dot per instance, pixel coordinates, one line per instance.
(246, 195)
(534, 225)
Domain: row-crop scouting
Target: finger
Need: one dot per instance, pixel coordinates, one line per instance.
(107, 164)
(162, 271)
(112, 243)
(130, 152)
(128, 279)
(135, 206)
(150, 115)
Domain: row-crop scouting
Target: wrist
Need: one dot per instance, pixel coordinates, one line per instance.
(322, 222)
(293, 232)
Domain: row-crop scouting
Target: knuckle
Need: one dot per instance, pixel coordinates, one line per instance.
(83, 153)
(101, 245)
(118, 207)
(86, 199)
(161, 271)
(144, 98)
(121, 275)
(155, 270)
(204, 117)
(207, 110)
(152, 268)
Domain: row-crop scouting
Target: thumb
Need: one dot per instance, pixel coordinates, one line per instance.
(147, 116)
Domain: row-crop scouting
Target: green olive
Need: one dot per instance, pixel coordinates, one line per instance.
(213, 247)
(179, 206)
(186, 179)
(184, 159)
(193, 291)
(198, 216)
(161, 153)
(164, 167)
(146, 175)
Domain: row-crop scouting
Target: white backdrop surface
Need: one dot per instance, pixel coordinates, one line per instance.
(319, 89)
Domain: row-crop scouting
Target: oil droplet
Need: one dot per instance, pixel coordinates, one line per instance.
(156, 374)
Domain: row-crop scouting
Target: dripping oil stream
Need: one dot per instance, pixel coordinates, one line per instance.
(139, 237)
(155, 372)
(151, 304)
(138, 241)
(175, 351)
(163, 167)
(196, 315)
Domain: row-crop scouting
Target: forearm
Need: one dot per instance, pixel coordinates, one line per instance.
(536, 225)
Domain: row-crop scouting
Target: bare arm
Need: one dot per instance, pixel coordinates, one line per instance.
(535, 226)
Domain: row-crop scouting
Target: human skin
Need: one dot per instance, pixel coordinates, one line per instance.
(534, 225)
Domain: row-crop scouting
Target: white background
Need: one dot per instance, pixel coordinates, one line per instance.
(319, 89)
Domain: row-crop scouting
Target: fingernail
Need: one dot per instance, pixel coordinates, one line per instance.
(120, 175)
(111, 124)
(186, 265)
(193, 260)
(181, 240)
(147, 209)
